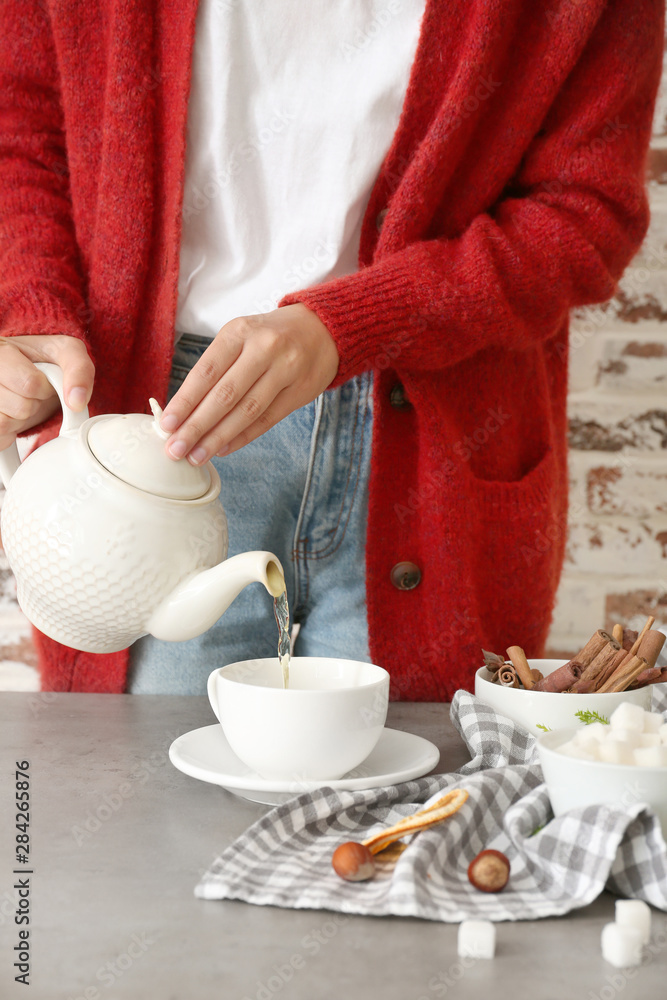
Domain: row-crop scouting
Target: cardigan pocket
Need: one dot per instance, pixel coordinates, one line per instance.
(518, 532)
(518, 499)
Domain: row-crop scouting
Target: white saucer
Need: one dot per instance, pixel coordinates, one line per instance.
(206, 754)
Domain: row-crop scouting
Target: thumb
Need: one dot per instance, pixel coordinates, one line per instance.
(78, 370)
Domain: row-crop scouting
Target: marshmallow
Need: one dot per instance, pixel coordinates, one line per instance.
(477, 939)
(634, 913)
(621, 945)
(663, 733)
(627, 716)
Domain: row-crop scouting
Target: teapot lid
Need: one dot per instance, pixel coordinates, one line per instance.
(131, 446)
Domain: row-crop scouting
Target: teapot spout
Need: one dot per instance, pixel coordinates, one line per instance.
(199, 600)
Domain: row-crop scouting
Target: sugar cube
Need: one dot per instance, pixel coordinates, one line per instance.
(627, 716)
(570, 749)
(588, 744)
(634, 913)
(631, 737)
(615, 752)
(652, 722)
(631, 729)
(596, 730)
(477, 939)
(650, 756)
(621, 945)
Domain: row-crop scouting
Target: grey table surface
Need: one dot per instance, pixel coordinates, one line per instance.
(113, 914)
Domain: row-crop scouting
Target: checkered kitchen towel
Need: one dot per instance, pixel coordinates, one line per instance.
(284, 859)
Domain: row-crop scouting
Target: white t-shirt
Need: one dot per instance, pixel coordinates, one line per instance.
(293, 107)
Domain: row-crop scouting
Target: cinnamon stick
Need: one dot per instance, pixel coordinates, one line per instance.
(507, 676)
(632, 672)
(597, 665)
(622, 662)
(596, 642)
(520, 663)
(629, 636)
(561, 678)
(587, 687)
(651, 675)
(651, 645)
(636, 644)
(610, 669)
(628, 671)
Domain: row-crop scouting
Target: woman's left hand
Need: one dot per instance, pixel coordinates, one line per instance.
(256, 371)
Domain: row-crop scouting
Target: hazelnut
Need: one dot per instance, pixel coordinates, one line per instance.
(353, 862)
(489, 871)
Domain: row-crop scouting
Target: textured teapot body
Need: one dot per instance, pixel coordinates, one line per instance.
(93, 556)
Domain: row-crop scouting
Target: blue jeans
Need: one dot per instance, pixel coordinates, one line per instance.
(300, 491)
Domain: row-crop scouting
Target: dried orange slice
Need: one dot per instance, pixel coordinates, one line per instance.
(445, 807)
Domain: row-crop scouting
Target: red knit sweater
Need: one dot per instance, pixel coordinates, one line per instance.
(513, 190)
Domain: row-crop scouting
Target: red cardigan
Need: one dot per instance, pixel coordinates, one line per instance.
(512, 191)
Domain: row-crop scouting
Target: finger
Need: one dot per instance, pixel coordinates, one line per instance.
(10, 426)
(17, 408)
(204, 376)
(19, 376)
(78, 370)
(235, 390)
(281, 406)
(6, 440)
(250, 411)
(71, 356)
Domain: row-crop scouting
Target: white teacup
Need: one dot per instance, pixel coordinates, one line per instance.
(325, 724)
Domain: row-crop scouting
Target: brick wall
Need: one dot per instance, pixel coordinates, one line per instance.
(616, 564)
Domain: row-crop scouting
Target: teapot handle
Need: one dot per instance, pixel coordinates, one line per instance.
(9, 457)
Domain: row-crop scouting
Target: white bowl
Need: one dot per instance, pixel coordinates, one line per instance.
(537, 710)
(573, 782)
(325, 724)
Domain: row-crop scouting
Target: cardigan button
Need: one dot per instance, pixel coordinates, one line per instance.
(397, 397)
(379, 219)
(405, 575)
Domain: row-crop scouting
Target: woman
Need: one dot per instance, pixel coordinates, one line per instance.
(465, 172)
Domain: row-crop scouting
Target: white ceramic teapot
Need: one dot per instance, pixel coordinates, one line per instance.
(109, 539)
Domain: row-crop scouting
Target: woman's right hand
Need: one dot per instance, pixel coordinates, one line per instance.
(26, 397)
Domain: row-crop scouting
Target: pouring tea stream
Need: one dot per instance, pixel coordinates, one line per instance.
(109, 539)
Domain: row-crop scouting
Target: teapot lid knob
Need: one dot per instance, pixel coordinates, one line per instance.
(131, 446)
(157, 413)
